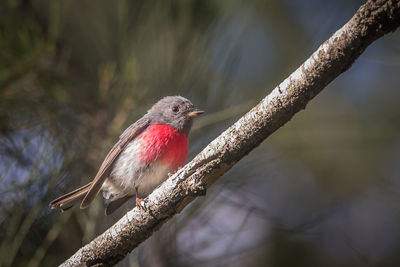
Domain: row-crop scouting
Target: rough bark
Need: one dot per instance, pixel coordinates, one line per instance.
(334, 56)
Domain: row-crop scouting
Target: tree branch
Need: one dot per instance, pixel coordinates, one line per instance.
(334, 56)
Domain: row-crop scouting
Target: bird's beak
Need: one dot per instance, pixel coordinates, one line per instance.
(195, 113)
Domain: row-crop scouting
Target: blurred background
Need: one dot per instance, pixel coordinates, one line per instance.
(324, 190)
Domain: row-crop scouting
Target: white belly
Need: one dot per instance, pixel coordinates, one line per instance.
(131, 177)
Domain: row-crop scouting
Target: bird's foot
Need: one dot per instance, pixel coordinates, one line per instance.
(141, 203)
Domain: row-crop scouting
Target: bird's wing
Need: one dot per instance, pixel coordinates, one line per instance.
(129, 134)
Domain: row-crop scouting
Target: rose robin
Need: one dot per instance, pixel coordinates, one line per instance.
(149, 149)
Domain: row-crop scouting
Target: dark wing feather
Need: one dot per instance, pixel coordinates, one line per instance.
(129, 134)
(114, 205)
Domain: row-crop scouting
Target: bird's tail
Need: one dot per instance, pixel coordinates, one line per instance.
(68, 200)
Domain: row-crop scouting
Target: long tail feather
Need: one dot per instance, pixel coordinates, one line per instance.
(68, 200)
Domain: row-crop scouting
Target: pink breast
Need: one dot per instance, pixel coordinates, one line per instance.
(162, 143)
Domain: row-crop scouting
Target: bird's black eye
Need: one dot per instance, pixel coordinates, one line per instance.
(175, 108)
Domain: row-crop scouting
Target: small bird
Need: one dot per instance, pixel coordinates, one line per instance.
(149, 149)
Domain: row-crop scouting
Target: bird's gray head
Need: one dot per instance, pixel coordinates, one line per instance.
(175, 111)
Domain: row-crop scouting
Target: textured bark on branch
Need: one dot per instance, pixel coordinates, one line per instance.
(334, 56)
